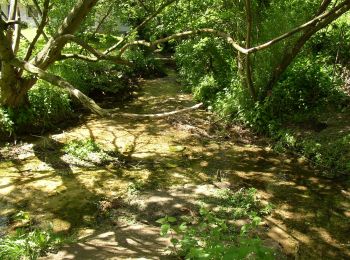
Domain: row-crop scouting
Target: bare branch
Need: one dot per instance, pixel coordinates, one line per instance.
(98, 55)
(39, 31)
(323, 6)
(227, 37)
(113, 59)
(158, 11)
(114, 47)
(12, 10)
(37, 7)
(103, 19)
(38, 25)
(5, 17)
(159, 115)
(248, 65)
(17, 34)
(13, 22)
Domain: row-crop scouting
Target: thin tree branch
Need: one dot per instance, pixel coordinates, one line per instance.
(37, 6)
(5, 17)
(114, 47)
(38, 25)
(158, 115)
(227, 37)
(12, 10)
(158, 11)
(248, 68)
(39, 31)
(103, 19)
(323, 7)
(17, 33)
(113, 59)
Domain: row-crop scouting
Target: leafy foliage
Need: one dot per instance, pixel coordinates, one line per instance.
(82, 148)
(29, 242)
(47, 105)
(211, 234)
(28, 245)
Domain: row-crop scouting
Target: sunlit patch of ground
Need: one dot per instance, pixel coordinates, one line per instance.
(166, 166)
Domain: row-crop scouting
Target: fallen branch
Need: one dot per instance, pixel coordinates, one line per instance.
(159, 115)
(85, 100)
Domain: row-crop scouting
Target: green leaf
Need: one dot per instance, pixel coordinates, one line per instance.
(171, 219)
(164, 229)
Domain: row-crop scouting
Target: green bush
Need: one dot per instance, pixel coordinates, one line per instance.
(199, 57)
(332, 156)
(90, 77)
(82, 148)
(323, 43)
(144, 63)
(6, 123)
(28, 244)
(308, 87)
(47, 105)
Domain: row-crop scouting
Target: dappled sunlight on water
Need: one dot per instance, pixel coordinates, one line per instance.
(311, 215)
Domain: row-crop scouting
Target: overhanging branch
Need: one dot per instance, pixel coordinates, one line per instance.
(85, 100)
(313, 22)
(97, 54)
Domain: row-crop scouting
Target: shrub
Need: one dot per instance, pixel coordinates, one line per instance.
(82, 148)
(198, 58)
(333, 156)
(6, 123)
(92, 77)
(307, 87)
(28, 244)
(47, 105)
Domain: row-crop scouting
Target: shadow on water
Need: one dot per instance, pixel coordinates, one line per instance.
(311, 218)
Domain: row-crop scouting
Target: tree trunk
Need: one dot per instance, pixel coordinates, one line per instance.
(14, 88)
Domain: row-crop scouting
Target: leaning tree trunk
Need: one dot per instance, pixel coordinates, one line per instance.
(13, 85)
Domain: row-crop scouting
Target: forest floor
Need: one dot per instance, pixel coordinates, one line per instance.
(167, 165)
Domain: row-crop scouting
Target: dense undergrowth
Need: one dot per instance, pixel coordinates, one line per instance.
(310, 89)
